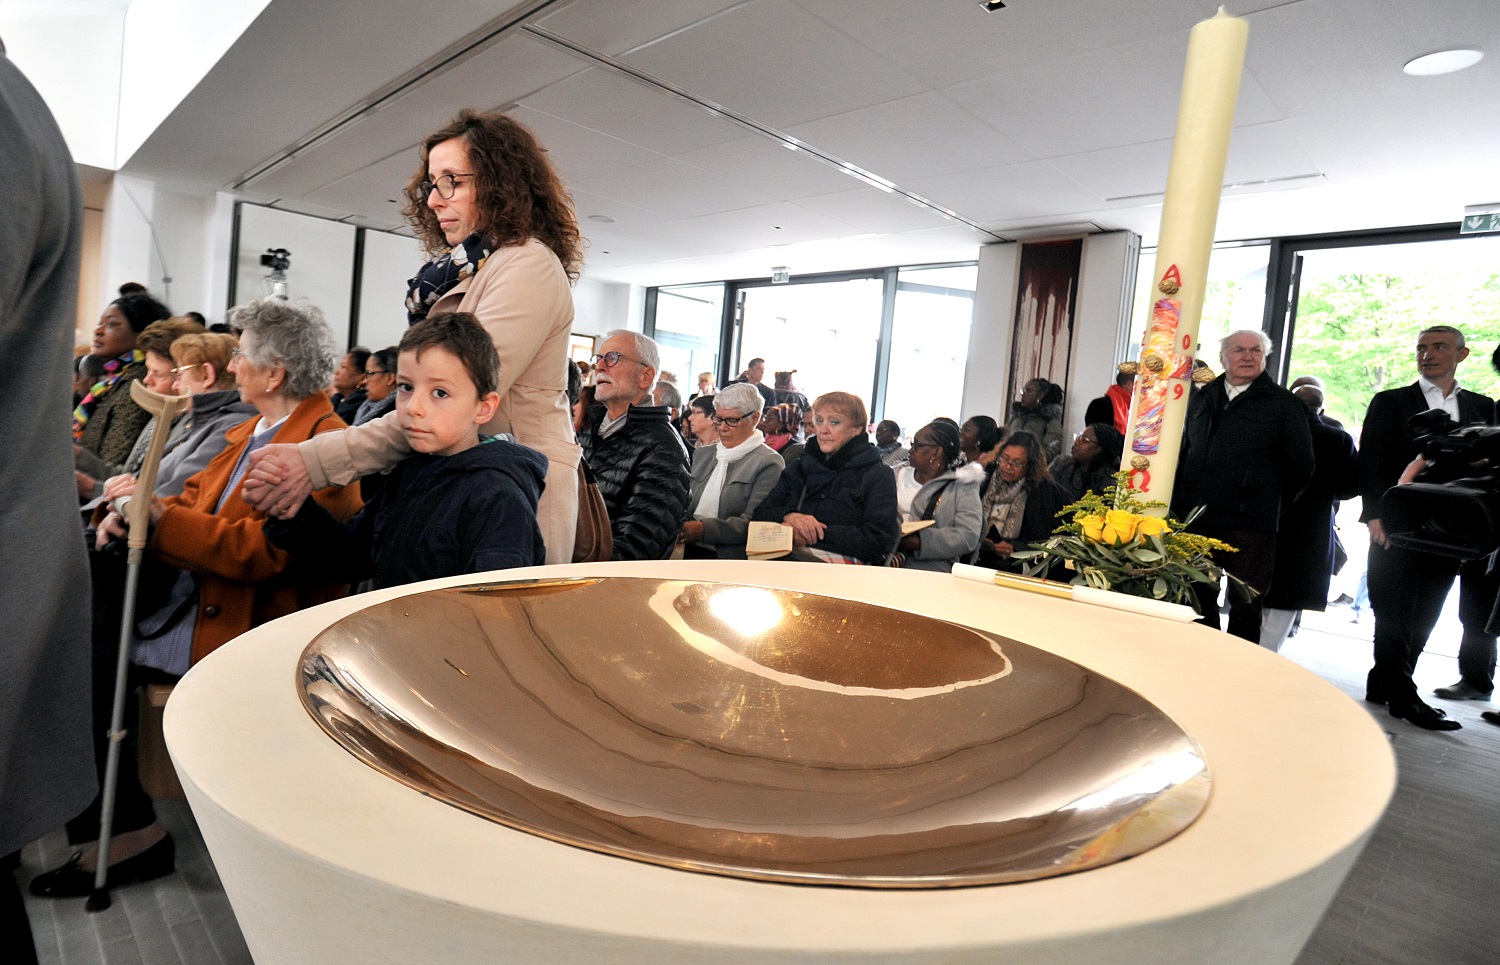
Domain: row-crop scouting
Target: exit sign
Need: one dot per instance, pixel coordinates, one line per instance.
(1480, 218)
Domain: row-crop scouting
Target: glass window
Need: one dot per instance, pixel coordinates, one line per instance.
(929, 345)
(1360, 310)
(689, 319)
(1234, 298)
(825, 332)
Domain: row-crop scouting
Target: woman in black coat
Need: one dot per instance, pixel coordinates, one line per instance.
(1092, 463)
(838, 497)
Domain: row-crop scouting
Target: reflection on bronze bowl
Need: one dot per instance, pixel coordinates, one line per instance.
(754, 732)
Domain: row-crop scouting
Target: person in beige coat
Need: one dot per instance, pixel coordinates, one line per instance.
(490, 208)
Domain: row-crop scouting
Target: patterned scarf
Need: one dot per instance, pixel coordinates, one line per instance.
(113, 369)
(1005, 507)
(438, 276)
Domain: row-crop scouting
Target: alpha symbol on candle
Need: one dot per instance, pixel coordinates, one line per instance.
(1171, 282)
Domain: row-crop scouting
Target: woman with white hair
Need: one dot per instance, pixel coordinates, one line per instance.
(730, 477)
(228, 577)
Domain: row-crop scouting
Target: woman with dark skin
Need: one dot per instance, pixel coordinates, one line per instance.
(1091, 465)
(934, 484)
(979, 439)
(1021, 502)
(1039, 412)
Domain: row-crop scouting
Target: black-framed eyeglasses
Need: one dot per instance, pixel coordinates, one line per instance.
(445, 185)
(727, 420)
(610, 359)
(377, 372)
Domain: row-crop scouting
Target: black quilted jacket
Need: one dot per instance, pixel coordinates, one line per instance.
(643, 477)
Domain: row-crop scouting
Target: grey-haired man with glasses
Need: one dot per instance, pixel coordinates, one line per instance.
(635, 452)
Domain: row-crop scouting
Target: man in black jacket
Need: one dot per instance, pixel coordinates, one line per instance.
(1246, 454)
(1407, 589)
(637, 455)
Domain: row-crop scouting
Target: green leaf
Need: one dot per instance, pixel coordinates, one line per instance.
(1159, 588)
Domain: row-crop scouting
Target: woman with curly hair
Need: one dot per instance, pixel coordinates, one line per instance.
(504, 241)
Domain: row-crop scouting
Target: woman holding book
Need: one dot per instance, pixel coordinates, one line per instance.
(839, 499)
(730, 477)
(937, 490)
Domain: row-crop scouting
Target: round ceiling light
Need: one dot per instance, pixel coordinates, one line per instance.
(601, 219)
(1443, 62)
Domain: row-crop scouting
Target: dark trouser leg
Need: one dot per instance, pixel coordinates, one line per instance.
(1477, 591)
(1407, 591)
(1252, 564)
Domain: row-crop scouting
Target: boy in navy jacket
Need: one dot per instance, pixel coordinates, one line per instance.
(460, 503)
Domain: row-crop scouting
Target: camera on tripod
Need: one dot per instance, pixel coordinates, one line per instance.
(1453, 507)
(276, 259)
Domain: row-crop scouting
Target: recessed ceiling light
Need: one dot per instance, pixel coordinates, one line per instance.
(1443, 62)
(601, 219)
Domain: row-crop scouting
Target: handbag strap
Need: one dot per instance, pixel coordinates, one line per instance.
(937, 497)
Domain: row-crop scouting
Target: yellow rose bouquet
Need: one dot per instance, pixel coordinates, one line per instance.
(1110, 543)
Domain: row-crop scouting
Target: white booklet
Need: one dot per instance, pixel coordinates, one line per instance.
(768, 541)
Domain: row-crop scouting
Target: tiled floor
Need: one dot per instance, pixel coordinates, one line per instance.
(1425, 890)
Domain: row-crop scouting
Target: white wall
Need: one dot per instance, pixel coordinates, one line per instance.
(1101, 325)
(83, 89)
(599, 306)
(322, 256)
(169, 46)
(150, 235)
(390, 260)
(988, 366)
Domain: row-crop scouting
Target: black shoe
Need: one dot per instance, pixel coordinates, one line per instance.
(71, 881)
(1424, 716)
(1490, 716)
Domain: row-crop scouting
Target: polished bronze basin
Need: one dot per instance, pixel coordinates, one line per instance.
(754, 732)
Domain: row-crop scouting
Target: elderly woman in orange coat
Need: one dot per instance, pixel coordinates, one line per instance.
(228, 576)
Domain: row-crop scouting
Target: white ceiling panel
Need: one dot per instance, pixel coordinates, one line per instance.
(775, 62)
(615, 26)
(1256, 153)
(870, 209)
(674, 189)
(1121, 95)
(771, 168)
(1031, 189)
(579, 152)
(1029, 116)
(783, 223)
(494, 77)
(913, 137)
(626, 109)
(948, 42)
(1338, 54)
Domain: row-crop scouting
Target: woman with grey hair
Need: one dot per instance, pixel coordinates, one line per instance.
(228, 576)
(730, 478)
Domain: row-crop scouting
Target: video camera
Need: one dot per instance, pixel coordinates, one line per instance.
(1453, 507)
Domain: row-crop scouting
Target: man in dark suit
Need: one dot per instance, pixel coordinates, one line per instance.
(1407, 589)
(1246, 454)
